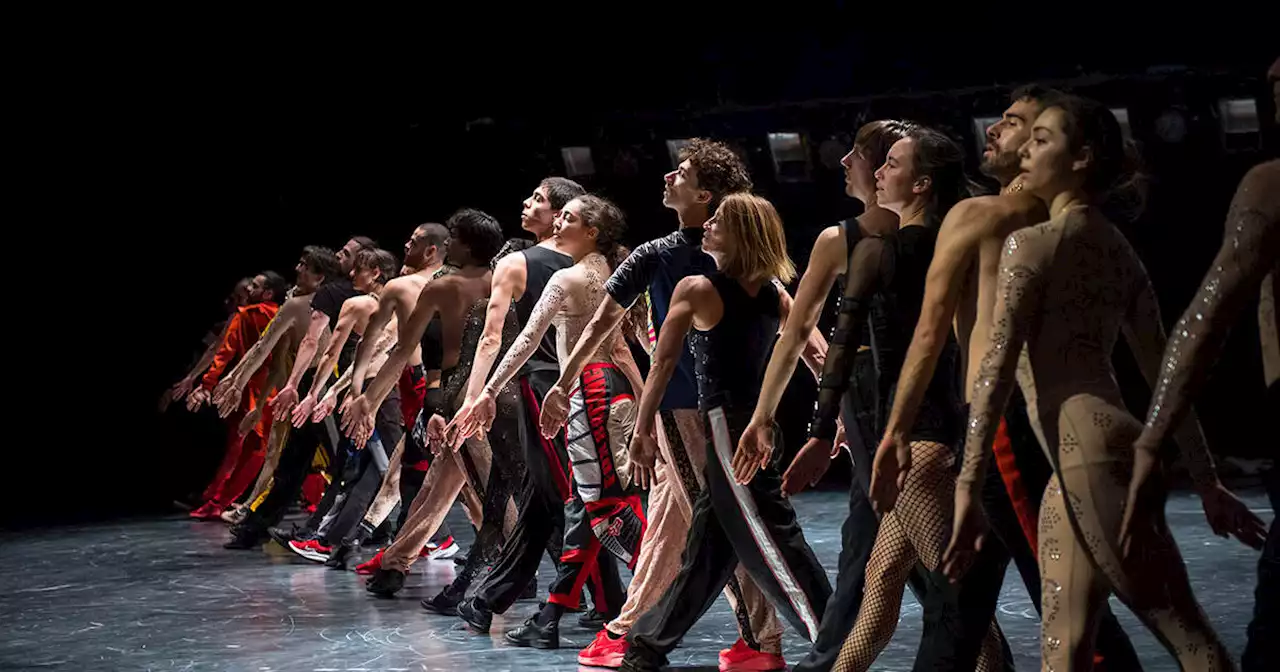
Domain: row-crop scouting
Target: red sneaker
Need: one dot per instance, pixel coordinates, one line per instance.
(209, 511)
(443, 550)
(372, 566)
(310, 549)
(604, 651)
(741, 657)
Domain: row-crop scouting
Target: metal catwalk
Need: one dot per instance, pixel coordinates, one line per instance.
(161, 594)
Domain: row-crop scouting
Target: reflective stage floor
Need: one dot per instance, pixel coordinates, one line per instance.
(161, 594)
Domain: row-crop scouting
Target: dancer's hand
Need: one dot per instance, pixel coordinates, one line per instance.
(474, 418)
(555, 412)
(842, 439)
(286, 399)
(754, 450)
(248, 422)
(324, 408)
(346, 403)
(181, 388)
(808, 466)
(436, 442)
(968, 533)
(197, 399)
(226, 396)
(357, 422)
(1144, 505)
(1229, 516)
(302, 412)
(889, 471)
(644, 454)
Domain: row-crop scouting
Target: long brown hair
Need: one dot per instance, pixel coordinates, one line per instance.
(757, 245)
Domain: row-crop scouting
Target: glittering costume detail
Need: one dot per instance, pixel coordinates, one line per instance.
(1067, 289)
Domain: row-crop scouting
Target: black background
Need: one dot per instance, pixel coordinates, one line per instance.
(162, 157)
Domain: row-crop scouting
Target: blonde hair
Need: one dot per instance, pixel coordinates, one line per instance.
(757, 246)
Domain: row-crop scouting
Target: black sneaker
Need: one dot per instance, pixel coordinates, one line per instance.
(531, 634)
(338, 558)
(475, 614)
(594, 620)
(445, 603)
(244, 539)
(385, 583)
(283, 535)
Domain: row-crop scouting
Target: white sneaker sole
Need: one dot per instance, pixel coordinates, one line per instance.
(443, 553)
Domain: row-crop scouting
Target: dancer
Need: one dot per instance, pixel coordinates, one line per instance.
(1066, 289)
(475, 238)
(605, 512)
(1249, 258)
(708, 171)
(961, 285)
(362, 470)
(238, 298)
(245, 451)
(735, 313)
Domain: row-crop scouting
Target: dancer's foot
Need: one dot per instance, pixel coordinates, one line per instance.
(372, 565)
(441, 551)
(310, 549)
(476, 613)
(234, 515)
(594, 620)
(606, 650)
(244, 538)
(208, 511)
(741, 657)
(445, 603)
(386, 583)
(339, 556)
(283, 535)
(538, 636)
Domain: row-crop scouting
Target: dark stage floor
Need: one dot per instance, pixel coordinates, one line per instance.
(161, 594)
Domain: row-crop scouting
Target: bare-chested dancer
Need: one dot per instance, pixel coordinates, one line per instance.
(605, 511)
(708, 171)
(960, 287)
(1249, 257)
(475, 238)
(1067, 288)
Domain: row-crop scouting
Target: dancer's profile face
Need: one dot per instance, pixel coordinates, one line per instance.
(537, 215)
(573, 235)
(364, 279)
(307, 281)
(1000, 158)
(257, 288)
(415, 250)
(347, 255)
(681, 190)
(859, 174)
(896, 183)
(1048, 164)
(713, 234)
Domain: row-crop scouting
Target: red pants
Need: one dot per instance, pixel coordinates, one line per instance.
(239, 468)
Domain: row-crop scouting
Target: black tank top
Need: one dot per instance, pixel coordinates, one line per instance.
(729, 359)
(432, 339)
(540, 263)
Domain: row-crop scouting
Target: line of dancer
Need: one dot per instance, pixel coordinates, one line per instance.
(968, 376)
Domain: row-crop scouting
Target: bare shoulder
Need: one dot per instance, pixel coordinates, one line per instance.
(694, 287)
(298, 305)
(995, 215)
(1260, 189)
(510, 265)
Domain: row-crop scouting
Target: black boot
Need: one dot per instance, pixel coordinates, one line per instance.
(385, 583)
(446, 602)
(538, 636)
(476, 613)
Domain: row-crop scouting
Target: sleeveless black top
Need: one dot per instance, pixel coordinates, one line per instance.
(432, 339)
(729, 359)
(540, 263)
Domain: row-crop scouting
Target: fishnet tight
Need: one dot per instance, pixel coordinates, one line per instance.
(916, 529)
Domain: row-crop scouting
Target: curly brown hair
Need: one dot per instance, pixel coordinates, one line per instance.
(719, 169)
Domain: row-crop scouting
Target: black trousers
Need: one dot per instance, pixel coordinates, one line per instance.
(295, 462)
(540, 521)
(752, 524)
(1263, 650)
(357, 483)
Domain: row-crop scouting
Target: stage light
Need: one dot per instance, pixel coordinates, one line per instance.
(673, 150)
(790, 156)
(1122, 117)
(1239, 115)
(577, 161)
(1171, 126)
(980, 126)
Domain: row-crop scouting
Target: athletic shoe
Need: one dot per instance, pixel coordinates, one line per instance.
(604, 651)
(476, 615)
(594, 620)
(538, 636)
(372, 566)
(741, 657)
(386, 583)
(243, 539)
(310, 549)
(445, 603)
(209, 511)
(441, 551)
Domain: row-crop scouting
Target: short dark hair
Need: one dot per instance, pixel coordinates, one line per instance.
(435, 234)
(938, 157)
(365, 243)
(607, 219)
(561, 190)
(720, 170)
(321, 261)
(1043, 95)
(876, 137)
(382, 260)
(276, 285)
(480, 232)
(1115, 178)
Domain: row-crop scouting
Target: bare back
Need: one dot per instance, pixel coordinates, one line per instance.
(583, 288)
(458, 292)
